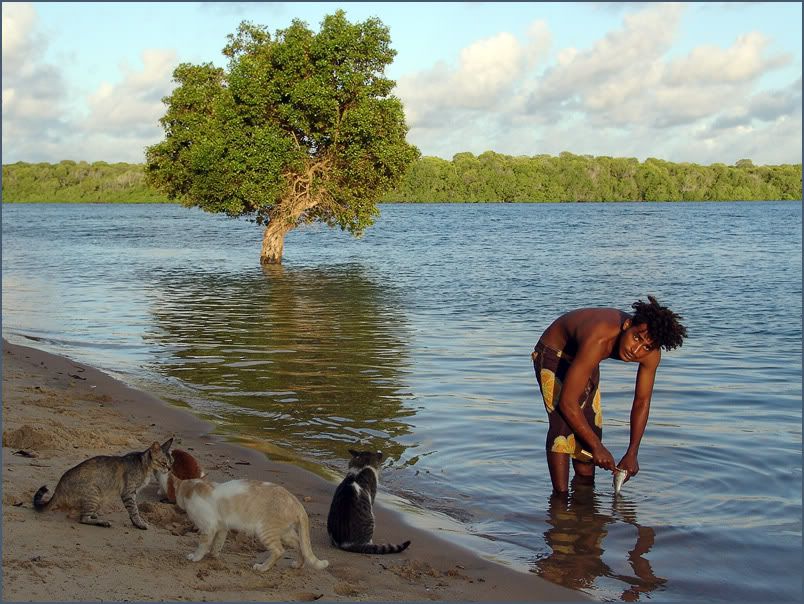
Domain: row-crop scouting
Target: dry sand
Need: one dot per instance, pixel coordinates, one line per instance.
(57, 413)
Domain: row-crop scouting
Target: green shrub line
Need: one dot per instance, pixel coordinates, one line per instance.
(488, 177)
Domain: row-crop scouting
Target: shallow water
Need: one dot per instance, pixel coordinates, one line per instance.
(416, 339)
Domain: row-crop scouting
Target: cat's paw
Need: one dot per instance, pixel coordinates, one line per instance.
(296, 564)
(141, 525)
(194, 557)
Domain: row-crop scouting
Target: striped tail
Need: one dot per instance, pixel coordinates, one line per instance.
(38, 504)
(371, 548)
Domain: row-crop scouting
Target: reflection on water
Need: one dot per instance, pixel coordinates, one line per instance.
(578, 526)
(307, 359)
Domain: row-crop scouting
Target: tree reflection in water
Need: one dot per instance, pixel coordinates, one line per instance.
(578, 527)
(308, 361)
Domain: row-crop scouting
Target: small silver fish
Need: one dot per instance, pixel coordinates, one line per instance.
(619, 478)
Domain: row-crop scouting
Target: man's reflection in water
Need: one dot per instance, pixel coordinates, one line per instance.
(576, 536)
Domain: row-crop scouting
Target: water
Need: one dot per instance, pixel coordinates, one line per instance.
(416, 339)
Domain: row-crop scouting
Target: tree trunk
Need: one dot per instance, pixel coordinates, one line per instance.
(273, 241)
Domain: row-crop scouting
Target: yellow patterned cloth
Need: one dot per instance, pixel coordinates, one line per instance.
(551, 367)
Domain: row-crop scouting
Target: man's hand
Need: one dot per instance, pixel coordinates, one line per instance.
(603, 458)
(630, 464)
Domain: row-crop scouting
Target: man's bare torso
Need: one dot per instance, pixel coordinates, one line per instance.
(575, 328)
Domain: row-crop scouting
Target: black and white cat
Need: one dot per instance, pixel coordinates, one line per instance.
(350, 523)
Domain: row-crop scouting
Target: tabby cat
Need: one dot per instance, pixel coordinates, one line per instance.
(266, 510)
(350, 523)
(85, 486)
(182, 464)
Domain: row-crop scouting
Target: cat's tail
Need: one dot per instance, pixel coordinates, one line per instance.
(373, 548)
(305, 545)
(39, 505)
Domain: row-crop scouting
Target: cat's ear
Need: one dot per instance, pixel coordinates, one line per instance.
(379, 455)
(166, 445)
(354, 453)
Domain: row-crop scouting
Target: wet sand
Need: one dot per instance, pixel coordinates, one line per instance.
(57, 413)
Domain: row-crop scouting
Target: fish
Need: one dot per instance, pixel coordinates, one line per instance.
(619, 475)
(618, 479)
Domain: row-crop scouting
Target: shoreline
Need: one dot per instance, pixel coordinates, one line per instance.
(64, 411)
(456, 203)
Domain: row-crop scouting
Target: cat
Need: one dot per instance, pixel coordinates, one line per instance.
(86, 485)
(266, 510)
(350, 523)
(182, 464)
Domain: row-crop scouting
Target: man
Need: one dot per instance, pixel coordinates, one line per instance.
(566, 361)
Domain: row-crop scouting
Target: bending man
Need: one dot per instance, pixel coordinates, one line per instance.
(566, 361)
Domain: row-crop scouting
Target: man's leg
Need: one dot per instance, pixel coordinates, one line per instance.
(545, 364)
(558, 463)
(584, 471)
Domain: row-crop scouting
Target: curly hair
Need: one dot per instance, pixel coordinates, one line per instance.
(663, 326)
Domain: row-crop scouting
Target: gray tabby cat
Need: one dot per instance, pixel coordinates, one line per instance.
(86, 485)
(350, 523)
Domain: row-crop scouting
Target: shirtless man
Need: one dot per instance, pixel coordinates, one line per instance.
(566, 361)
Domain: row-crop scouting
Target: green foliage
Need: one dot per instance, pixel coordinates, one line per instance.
(492, 177)
(70, 181)
(466, 178)
(300, 127)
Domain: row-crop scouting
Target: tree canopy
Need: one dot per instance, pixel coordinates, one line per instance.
(299, 127)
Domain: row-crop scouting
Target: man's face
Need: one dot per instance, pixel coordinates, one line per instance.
(635, 343)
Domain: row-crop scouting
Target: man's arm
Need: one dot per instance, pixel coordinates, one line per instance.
(643, 391)
(587, 358)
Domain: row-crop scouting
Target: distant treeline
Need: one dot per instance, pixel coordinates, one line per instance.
(494, 177)
(69, 181)
(488, 177)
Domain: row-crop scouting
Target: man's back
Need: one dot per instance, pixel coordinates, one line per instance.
(571, 330)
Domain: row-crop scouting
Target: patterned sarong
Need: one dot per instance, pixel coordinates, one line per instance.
(551, 367)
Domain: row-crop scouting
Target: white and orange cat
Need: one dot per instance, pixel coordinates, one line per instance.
(268, 511)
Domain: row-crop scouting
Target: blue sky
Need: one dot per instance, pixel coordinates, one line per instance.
(698, 82)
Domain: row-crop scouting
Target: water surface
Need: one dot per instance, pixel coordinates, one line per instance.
(416, 340)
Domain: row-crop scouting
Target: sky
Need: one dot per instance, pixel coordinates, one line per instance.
(684, 82)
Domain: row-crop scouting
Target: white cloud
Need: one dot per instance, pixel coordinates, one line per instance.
(242, 8)
(624, 95)
(487, 68)
(133, 106)
(123, 117)
(18, 24)
(119, 120)
(773, 104)
(539, 41)
(741, 62)
(615, 74)
(458, 107)
(775, 111)
(483, 79)
(777, 142)
(34, 92)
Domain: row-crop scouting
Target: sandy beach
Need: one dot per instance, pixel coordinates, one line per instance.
(57, 413)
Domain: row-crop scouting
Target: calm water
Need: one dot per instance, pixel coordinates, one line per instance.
(416, 339)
